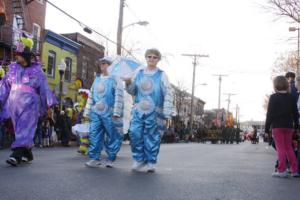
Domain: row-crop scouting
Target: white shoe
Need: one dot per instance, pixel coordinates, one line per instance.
(150, 168)
(109, 164)
(137, 166)
(24, 159)
(295, 175)
(280, 174)
(93, 163)
(12, 161)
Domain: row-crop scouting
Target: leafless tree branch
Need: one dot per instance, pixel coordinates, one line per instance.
(287, 8)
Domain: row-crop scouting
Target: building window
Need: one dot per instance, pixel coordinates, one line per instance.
(36, 33)
(51, 64)
(68, 71)
(17, 27)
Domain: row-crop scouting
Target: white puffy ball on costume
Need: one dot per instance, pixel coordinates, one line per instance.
(81, 130)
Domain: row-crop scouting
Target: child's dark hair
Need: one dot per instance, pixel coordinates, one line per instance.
(280, 83)
(290, 75)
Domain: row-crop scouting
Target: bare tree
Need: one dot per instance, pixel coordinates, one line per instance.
(287, 8)
(180, 94)
(266, 102)
(284, 63)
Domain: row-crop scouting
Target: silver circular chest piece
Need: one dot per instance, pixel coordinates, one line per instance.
(147, 85)
(101, 88)
(145, 105)
(100, 106)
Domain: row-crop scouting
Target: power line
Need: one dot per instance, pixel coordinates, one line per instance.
(87, 28)
(132, 12)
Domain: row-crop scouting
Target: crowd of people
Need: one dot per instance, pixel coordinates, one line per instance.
(282, 124)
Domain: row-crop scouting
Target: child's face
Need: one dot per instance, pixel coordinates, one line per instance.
(290, 79)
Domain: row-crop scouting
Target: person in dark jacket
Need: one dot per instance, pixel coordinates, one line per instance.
(65, 126)
(282, 117)
(290, 76)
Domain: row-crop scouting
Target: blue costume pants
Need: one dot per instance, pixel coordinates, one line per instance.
(104, 130)
(144, 137)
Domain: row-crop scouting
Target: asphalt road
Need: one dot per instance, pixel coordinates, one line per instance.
(185, 171)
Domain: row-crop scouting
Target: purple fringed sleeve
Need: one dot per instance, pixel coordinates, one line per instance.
(48, 99)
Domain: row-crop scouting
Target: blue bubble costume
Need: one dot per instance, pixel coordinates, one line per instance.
(153, 103)
(104, 102)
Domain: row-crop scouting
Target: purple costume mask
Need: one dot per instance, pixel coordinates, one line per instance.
(27, 95)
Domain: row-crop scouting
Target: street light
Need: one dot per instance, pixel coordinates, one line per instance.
(120, 33)
(292, 29)
(141, 23)
(61, 68)
(202, 84)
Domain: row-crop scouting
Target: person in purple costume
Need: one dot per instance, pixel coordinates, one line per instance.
(26, 93)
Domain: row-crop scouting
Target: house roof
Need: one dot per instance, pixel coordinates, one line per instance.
(61, 42)
(81, 39)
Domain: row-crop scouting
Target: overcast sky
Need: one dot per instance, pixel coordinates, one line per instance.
(242, 39)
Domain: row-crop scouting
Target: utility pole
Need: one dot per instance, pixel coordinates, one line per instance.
(236, 112)
(229, 100)
(195, 56)
(120, 28)
(220, 83)
(236, 115)
(298, 47)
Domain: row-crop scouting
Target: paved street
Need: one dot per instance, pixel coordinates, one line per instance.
(185, 171)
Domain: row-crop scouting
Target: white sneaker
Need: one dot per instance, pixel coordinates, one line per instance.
(109, 164)
(137, 166)
(150, 168)
(12, 161)
(280, 174)
(93, 163)
(24, 159)
(295, 175)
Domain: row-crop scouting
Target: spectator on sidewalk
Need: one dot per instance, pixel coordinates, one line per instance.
(290, 76)
(51, 121)
(38, 136)
(283, 116)
(46, 136)
(64, 126)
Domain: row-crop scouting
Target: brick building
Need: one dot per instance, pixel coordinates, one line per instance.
(27, 15)
(87, 58)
